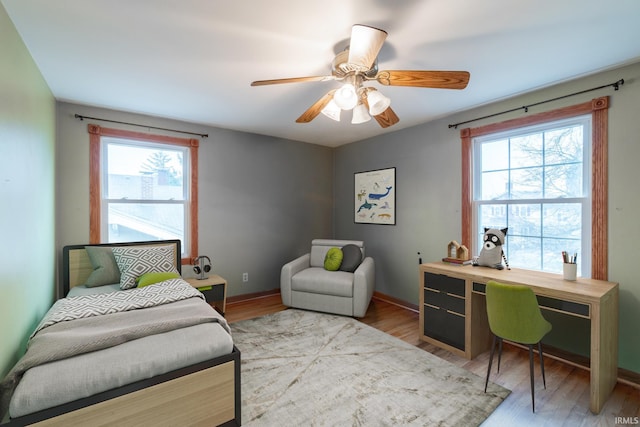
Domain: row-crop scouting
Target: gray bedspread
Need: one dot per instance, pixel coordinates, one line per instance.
(80, 336)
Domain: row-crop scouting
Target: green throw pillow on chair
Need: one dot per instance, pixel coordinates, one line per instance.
(333, 259)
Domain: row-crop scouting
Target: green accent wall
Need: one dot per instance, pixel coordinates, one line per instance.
(27, 195)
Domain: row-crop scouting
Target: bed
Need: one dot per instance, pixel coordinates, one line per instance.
(154, 354)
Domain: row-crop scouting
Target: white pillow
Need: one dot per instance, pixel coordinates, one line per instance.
(134, 261)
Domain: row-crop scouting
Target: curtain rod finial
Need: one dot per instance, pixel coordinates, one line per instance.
(617, 84)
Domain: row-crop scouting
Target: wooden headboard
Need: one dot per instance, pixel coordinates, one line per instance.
(76, 266)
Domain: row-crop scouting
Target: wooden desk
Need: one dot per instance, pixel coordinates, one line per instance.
(452, 298)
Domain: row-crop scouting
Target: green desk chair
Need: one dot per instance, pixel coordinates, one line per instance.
(514, 315)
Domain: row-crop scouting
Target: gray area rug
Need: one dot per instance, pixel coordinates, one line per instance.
(301, 368)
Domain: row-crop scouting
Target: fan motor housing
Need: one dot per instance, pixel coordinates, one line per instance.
(341, 67)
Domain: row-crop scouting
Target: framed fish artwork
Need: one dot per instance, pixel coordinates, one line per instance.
(375, 197)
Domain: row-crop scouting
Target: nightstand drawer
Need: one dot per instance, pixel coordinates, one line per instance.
(212, 292)
(214, 289)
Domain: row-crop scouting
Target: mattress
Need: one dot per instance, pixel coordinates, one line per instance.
(84, 375)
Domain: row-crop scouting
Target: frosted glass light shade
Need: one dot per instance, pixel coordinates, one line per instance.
(360, 114)
(346, 97)
(332, 110)
(378, 103)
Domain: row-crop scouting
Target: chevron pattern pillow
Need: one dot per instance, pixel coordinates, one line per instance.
(134, 261)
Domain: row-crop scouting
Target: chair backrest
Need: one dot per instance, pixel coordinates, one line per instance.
(319, 248)
(514, 313)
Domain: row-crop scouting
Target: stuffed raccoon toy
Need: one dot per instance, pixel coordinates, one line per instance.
(491, 254)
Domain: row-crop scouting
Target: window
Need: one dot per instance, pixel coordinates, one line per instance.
(536, 181)
(143, 187)
(499, 163)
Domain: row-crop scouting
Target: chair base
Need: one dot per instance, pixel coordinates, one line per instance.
(498, 340)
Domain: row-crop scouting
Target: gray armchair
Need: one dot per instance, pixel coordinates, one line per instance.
(304, 282)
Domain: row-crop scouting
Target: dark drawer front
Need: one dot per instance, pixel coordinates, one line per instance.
(444, 309)
(216, 293)
(444, 326)
(445, 284)
(569, 307)
(443, 300)
(444, 292)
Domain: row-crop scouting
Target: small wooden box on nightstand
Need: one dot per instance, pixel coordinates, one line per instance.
(214, 289)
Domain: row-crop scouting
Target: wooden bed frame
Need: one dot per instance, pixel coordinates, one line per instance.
(207, 393)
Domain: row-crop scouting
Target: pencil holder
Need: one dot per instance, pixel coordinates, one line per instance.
(569, 271)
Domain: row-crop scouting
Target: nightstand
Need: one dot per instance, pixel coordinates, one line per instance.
(214, 289)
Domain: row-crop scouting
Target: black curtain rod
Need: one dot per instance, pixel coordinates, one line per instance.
(615, 85)
(201, 135)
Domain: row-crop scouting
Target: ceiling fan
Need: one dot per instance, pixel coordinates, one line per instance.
(357, 65)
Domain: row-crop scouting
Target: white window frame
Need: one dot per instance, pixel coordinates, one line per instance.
(184, 202)
(585, 201)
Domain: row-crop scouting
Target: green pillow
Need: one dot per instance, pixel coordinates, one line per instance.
(105, 270)
(333, 259)
(155, 277)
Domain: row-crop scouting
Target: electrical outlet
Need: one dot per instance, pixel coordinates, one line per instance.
(245, 277)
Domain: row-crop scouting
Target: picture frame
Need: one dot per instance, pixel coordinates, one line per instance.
(375, 197)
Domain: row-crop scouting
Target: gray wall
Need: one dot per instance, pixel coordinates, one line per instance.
(261, 199)
(27, 138)
(428, 179)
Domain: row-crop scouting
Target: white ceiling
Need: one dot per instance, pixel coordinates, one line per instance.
(193, 60)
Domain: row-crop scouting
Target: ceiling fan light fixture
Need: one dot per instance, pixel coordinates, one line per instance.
(346, 97)
(360, 114)
(358, 64)
(332, 110)
(378, 103)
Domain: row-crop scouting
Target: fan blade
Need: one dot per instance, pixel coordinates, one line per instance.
(293, 80)
(387, 118)
(431, 79)
(365, 45)
(316, 108)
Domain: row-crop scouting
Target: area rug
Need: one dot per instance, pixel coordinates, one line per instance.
(301, 368)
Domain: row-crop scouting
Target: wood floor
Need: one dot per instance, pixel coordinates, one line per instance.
(565, 401)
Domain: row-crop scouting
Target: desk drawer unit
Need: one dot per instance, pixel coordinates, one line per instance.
(444, 309)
